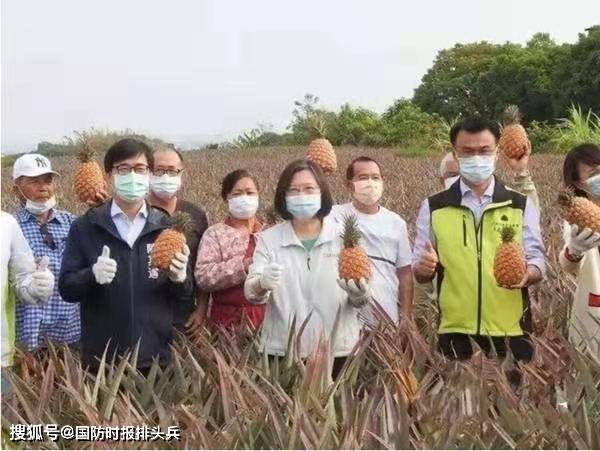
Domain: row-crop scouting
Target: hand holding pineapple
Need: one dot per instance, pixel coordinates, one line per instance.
(178, 267)
(582, 240)
(170, 252)
(354, 265)
(359, 292)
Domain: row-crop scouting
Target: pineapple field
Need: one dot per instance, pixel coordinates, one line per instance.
(396, 390)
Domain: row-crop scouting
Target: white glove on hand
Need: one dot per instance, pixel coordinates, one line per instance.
(178, 268)
(359, 294)
(582, 241)
(42, 284)
(105, 267)
(271, 276)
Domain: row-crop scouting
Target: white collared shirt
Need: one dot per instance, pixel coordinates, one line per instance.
(308, 287)
(532, 235)
(129, 230)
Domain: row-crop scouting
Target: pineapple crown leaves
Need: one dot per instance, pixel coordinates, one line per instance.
(86, 152)
(317, 125)
(351, 234)
(511, 115)
(507, 234)
(181, 221)
(566, 196)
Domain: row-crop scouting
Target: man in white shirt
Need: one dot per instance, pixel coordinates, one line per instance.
(384, 237)
(22, 279)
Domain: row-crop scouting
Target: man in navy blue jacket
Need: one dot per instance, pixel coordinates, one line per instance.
(107, 268)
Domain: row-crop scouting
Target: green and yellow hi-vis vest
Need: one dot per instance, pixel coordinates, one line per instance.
(470, 300)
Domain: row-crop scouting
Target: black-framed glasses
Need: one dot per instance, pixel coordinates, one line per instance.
(47, 236)
(171, 172)
(124, 169)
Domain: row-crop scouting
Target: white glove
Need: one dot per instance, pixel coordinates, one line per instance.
(359, 294)
(105, 267)
(178, 268)
(271, 276)
(42, 284)
(582, 241)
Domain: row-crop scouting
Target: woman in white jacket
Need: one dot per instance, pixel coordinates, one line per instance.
(581, 253)
(295, 271)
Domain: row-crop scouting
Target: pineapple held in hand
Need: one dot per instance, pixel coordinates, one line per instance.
(510, 265)
(579, 211)
(320, 151)
(89, 178)
(354, 263)
(513, 141)
(171, 241)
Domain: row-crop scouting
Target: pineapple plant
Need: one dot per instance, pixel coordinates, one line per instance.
(354, 262)
(89, 179)
(510, 265)
(579, 210)
(320, 151)
(171, 241)
(513, 141)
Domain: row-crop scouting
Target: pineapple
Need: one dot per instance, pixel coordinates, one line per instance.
(171, 241)
(320, 151)
(510, 265)
(89, 179)
(513, 141)
(354, 262)
(579, 210)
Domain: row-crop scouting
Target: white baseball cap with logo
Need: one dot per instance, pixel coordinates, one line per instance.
(32, 165)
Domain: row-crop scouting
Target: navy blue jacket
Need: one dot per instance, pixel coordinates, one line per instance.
(137, 305)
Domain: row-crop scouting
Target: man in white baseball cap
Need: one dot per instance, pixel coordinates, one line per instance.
(46, 230)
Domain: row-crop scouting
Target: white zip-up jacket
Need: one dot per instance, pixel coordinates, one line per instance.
(18, 264)
(584, 327)
(308, 286)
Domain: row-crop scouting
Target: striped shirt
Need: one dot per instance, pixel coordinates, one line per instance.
(56, 320)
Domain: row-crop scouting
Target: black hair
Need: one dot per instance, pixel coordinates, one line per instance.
(474, 124)
(584, 153)
(361, 159)
(285, 180)
(232, 178)
(124, 149)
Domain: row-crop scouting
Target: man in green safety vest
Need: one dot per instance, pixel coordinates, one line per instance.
(458, 232)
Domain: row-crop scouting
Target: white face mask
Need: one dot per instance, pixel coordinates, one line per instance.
(165, 186)
(243, 207)
(450, 181)
(39, 208)
(478, 168)
(368, 192)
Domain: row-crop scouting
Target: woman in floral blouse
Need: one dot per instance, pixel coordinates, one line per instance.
(225, 253)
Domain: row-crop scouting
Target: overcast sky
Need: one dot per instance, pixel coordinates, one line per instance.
(195, 70)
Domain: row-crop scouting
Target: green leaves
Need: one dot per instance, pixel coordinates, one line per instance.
(394, 392)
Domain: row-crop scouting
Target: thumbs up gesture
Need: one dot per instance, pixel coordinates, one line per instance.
(428, 262)
(42, 281)
(105, 267)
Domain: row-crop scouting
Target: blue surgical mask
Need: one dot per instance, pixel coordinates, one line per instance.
(593, 186)
(478, 168)
(304, 206)
(132, 187)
